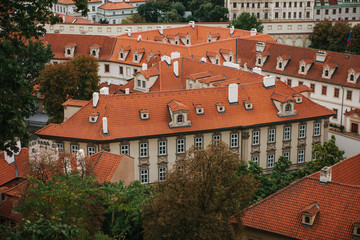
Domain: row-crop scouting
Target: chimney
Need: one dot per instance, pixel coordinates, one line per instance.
(166, 59)
(192, 24)
(325, 175)
(144, 66)
(127, 90)
(260, 46)
(233, 93)
(105, 126)
(138, 38)
(176, 68)
(257, 70)
(253, 32)
(320, 56)
(128, 31)
(232, 29)
(175, 55)
(95, 99)
(161, 30)
(63, 18)
(104, 91)
(269, 81)
(109, 82)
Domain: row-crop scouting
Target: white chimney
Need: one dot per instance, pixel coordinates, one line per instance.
(232, 29)
(109, 82)
(138, 38)
(325, 175)
(233, 93)
(161, 30)
(257, 70)
(320, 56)
(144, 66)
(128, 31)
(203, 59)
(176, 68)
(231, 65)
(260, 46)
(104, 91)
(175, 55)
(63, 19)
(166, 59)
(127, 90)
(253, 32)
(192, 24)
(95, 99)
(269, 81)
(105, 126)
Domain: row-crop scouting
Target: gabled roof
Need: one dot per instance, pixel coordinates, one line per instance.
(124, 122)
(116, 6)
(337, 203)
(355, 111)
(281, 97)
(176, 106)
(311, 209)
(302, 88)
(17, 169)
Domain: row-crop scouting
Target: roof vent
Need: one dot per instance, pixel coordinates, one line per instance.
(161, 30)
(253, 32)
(144, 66)
(325, 175)
(233, 93)
(257, 70)
(95, 99)
(269, 81)
(104, 91)
(105, 126)
(192, 24)
(138, 38)
(176, 68)
(320, 56)
(128, 31)
(220, 107)
(175, 55)
(232, 29)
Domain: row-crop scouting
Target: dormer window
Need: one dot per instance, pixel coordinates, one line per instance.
(121, 55)
(326, 73)
(353, 74)
(135, 57)
(180, 119)
(70, 50)
(177, 42)
(284, 104)
(187, 41)
(209, 39)
(220, 107)
(356, 232)
(309, 214)
(302, 69)
(282, 62)
(93, 117)
(259, 61)
(144, 114)
(280, 65)
(298, 98)
(93, 52)
(288, 108)
(352, 77)
(178, 114)
(217, 61)
(248, 104)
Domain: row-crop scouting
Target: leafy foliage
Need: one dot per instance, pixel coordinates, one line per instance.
(338, 37)
(199, 197)
(209, 12)
(246, 21)
(77, 78)
(319, 37)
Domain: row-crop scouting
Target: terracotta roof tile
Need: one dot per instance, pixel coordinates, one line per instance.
(212, 79)
(302, 88)
(225, 51)
(116, 6)
(8, 172)
(281, 97)
(176, 106)
(226, 82)
(74, 102)
(196, 76)
(150, 72)
(311, 209)
(355, 111)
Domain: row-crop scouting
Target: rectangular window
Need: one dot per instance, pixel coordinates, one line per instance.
(256, 138)
(302, 131)
(317, 129)
(277, 4)
(216, 139)
(242, 4)
(121, 70)
(287, 133)
(287, 155)
(144, 176)
(290, 4)
(339, 10)
(336, 92)
(300, 4)
(60, 147)
(289, 82)
(143, 84)
(139, 83)
(247, 5)
(308, 4)
(253, 5)
(124, 149)
(258, 5)
(326, 11)
(312, 86)
(107, 68)
(93, 8)
(335, 114)
(323, 90)
(284, 4)
(284, 15)
(234, 5)
(294, 14)
(307, 14)
(198, 142)
(143, 149)
(276, 15)
(301, 156)
(266, 4)
(334, 11)
(300, 14)
(270, 160)
(301, 83)
(234, 140)
(91, 151)
(255, 159)
(354, 10)
(180, 145)
(289, 14)
(162, 147)
(271, 135)
(346, 10)
(74, 148)
(295, 4)
(349, 95)
(162, 173)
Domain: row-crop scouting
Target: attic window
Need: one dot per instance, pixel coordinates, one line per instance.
(220, 107)
(176, 42)
(68, 51)
(199, 110)
(135, 57)
(180, 119)
(309, 214)
(121, 55)
(144, 114)
(187, 41)
(280, 65)
(217, 61)
(93, 117)
(298, 99)
(248, 105)
(302, 69)
(209, 39)
(93, 52)
(259, 61)
(288, 108)
(230, 58)
(326, 73)
(307, 219)
(352, 77)
(356, 233)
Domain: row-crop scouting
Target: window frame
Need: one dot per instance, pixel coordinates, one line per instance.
(125, 149)
(180, 145)
(270, 159)
(255, 137)
(302, 131)
(91, 150)
(162, 148)
(198, 142)
(287, 132)
(72, 148)
(162, 173)
(271, 135)
(234, 140)
(317, 129)
(143, 149)
(144, 176)
(301, 156)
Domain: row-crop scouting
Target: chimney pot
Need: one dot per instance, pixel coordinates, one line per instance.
(95, 99)
(105, 126)
(325, 175)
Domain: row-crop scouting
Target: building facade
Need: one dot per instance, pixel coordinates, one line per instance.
(337, 10)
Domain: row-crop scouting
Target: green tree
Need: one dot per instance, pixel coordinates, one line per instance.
(153, 10)
(21, 22)
(77, 79)
(179, 7)
(355, 39)
(199, 197)
(171, 16)
(208, 12)
(338, 37)
(246, 21)
(136, 18)
(319, 37)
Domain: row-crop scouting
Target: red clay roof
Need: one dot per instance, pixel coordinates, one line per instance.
(281, 97)
(16, 169)
(124, 122)
(74, 20)
(116, 6)
(302, 88)
(176, 106)
(355, 111)
(72, 2)
(75, 103)
(311, 209)
(196, 76)
(247, 53)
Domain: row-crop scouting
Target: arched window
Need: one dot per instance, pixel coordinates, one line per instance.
(259, 61)
(180, 118)
(135, 57)
(93, 52)
(121, 55)
(351, 77)
(302, 69)
(288, 107)
(209, 40)
(68, 51)
(326, 73)
(280, 65)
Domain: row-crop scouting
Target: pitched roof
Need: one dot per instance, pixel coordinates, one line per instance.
(337, 204)
(302, 88)
(75, 103)
(116, 6)
(281, 97)
(246, 51)
(355, 111)
(67, 2)
(17, 169)
(74, 20)
(122, 112)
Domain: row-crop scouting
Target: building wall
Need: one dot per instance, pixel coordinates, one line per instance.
(345, 10)
(253, 234)
(245, 149)
(347, 143)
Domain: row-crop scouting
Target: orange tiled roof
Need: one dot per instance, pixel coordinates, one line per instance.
(199, 75)
(74, 102)
(281, 97)
(116, 6)
(176, 106)
(14, 170)
(150, 72)
(124, 122)
(226, 82)
(355, 111)
(67, 2)
(338, 203)
(74, 20)
(212, 79)
(302, 88)
(311, 209)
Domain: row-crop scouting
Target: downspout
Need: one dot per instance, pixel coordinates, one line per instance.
(342, 105)
(182, 67)
(236, 49)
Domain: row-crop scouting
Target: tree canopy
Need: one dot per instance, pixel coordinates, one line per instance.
(246, 21)
(199, 197)
(77, 78)
(21, 59)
